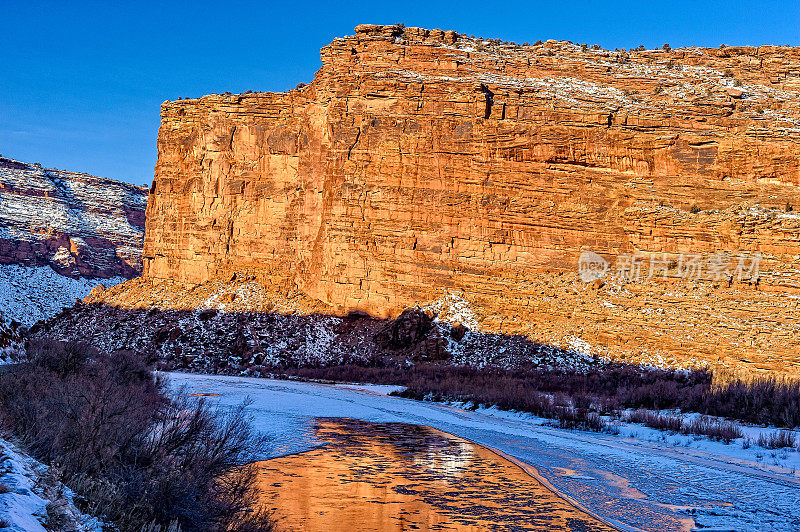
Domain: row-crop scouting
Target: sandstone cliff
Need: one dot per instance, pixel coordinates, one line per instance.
(78, 224)
(421, 163)
(62, 233)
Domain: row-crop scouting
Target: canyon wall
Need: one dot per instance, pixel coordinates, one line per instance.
(421, 163)
(61, 234)
(78, 224)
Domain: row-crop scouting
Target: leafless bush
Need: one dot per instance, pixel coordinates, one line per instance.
(777, 440)
(771, 401)
(154, 527)
(133, 454)
(59, 517)
(605, 389)
(655, 421)
(723, 431)
(580, 419)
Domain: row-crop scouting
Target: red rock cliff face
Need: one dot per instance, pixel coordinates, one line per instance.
(420, 163)
(79, 224)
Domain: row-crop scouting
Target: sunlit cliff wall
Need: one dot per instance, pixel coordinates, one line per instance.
(421, 162)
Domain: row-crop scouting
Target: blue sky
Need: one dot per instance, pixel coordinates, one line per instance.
(82, 82)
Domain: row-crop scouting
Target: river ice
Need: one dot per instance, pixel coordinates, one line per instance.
(638, 480)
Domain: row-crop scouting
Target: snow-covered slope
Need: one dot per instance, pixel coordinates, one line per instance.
(30, 294)
(30, 501)
(61, 234)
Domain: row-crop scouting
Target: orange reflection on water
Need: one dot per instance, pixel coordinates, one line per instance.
(395, 476)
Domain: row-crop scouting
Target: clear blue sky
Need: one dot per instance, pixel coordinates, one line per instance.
(82, 82)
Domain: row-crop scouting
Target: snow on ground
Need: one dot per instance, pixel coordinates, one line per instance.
(26, 500)
(10, 340)
(641, 479)
(454, 310)
(29, 294)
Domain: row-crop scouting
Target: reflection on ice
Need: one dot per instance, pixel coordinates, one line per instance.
(396, 476)
(447, 463)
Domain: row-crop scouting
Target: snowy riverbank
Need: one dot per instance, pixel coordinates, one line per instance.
(30, 501)
(641, 478)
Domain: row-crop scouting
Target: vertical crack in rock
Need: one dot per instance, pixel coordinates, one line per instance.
(353, 145)
(489, 96)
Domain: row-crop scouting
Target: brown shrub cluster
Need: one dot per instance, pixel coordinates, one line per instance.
(134, 454)
(605, 389)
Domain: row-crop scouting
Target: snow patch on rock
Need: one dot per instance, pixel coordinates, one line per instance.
(453, 309)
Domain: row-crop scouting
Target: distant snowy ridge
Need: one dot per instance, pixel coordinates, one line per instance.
(61, 234)
(78, 224)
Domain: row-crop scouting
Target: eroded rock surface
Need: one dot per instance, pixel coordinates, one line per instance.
(419, 164)
(78, 224)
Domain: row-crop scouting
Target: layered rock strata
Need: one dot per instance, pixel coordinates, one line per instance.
(421, 163)
(78, 224)
(61, 234)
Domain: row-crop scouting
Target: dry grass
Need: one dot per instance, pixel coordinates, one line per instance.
(778, 440)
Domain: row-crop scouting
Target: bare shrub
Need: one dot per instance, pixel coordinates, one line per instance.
(757, 401)
(608, 388)
(154, 527)
(656, 421)
(779, 439)
(723, 431)
(59, 516)
(581, 419)
(133, 454)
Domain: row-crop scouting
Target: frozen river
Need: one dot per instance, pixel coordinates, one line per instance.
(633, 483)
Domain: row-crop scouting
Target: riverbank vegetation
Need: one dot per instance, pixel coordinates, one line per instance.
(578, 399)
(137, 456)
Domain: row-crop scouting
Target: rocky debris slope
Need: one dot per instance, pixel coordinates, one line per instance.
(421, 164)
(209, 339)
(61, 234)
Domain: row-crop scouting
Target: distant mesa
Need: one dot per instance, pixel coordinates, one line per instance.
(61, 233)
